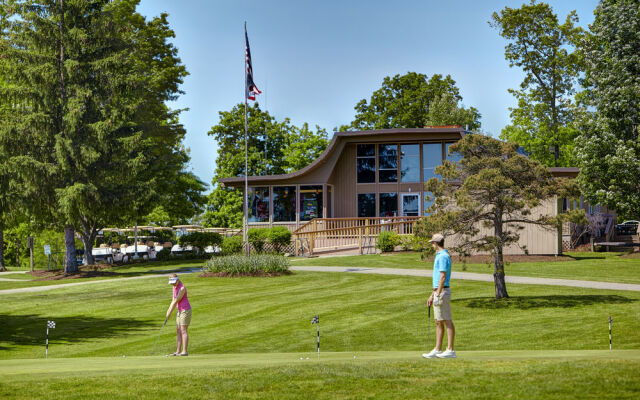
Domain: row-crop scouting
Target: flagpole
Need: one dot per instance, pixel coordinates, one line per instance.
(245, 218)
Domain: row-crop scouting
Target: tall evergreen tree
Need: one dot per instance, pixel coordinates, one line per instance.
(87, 85)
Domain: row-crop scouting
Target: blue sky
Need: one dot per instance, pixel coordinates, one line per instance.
(314, 61)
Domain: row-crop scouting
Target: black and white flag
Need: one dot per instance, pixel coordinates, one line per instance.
(315, 320)
(51, 324)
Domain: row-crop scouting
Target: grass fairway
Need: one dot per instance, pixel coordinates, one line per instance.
(248, 334)
(605, 267)
(392, 375)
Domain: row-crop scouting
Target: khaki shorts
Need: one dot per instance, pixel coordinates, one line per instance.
(442, 310)
(183, 318)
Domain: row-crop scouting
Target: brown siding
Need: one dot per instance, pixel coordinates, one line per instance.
(343, 180)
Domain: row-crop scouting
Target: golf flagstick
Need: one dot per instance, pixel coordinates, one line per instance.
(610, 323)
(316, 320)
(154, 345)
(52, 325)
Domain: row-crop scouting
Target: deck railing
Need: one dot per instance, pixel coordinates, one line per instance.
(343, 233)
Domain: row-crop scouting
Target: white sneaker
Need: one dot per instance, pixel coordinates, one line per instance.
(446, 354)
(433, 354)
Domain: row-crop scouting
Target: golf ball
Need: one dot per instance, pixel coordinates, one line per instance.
(123, 356)
(301, 358)
(307, 358)
(354, 356)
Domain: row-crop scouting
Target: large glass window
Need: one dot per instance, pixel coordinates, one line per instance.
(410, 163)
(456, 157)
(366, 163)
(431, 158)
(388, 163)
(284, 203)
(310, 202)
(366, 205)
(258, 204)
(388, 204)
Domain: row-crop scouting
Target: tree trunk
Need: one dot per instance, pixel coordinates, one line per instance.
(2, 266)
(70, 265)
(498, 261)
(18, 253)
(87, 240)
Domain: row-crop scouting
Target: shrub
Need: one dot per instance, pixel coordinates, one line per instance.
(251, 265)
(163, 255)
(387, 241)
(200, 239)
(412, 242)
(258, 237)
(279, 236)
(231, 245)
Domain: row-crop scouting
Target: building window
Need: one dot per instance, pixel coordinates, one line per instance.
(258, 210)
(388, 204)
(310, 202)
(431, 158)
(366, 205)
(455, 157)
(387, 163)
(284, 203)
(410, 205)
(366, 163)
(410, 163)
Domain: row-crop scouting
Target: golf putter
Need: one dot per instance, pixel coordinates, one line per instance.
(428, 324)
(154, 345)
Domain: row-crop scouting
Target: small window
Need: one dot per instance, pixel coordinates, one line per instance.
(284, 203)
(366, 205)
(387, 163)
(366, 163)
(388, 204)
(310, 202)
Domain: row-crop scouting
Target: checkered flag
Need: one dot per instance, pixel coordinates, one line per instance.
(51, 324)
(315, 320)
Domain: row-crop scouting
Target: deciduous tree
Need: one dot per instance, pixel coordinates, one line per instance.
(608, 149)
(544, 49)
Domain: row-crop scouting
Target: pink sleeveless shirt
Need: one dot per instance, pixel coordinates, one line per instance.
(184, 302)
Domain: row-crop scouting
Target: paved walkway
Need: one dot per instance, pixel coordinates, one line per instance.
(380, 271)
(478, 277)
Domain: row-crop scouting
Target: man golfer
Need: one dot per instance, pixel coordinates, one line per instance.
(441, 299)
(183, 315)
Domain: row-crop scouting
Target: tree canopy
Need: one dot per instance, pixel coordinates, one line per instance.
(404, 101)
(608, 149)
(274, 147)
(543, 121)
(87, 86)
(492, 187)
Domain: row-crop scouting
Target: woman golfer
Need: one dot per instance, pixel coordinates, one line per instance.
(183, 315)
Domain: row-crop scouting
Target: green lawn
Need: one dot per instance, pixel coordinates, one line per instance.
(389, 375)
(118, 271)
(247, 336)
(606, 267)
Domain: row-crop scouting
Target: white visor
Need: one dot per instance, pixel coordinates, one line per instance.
(173, 280)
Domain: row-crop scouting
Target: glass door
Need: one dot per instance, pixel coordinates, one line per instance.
(410, 204)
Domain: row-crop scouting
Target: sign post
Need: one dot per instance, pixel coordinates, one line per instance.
(47, 252)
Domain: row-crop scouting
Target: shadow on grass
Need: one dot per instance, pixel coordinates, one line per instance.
(529, 302)
(20, 330)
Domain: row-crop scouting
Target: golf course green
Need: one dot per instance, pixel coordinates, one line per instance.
(248, 336)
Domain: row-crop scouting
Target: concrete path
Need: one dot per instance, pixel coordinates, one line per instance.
(380, 271)
(477, 277)
(63, 285)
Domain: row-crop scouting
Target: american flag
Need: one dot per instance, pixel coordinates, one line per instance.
(51, 324)
(252, 89)
(315, 320)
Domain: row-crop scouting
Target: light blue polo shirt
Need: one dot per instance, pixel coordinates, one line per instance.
(442, 263)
